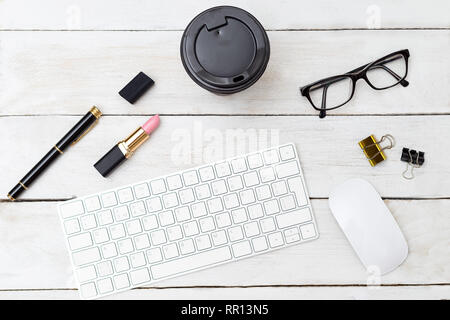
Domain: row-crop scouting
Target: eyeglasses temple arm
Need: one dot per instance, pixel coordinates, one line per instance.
(323, 107)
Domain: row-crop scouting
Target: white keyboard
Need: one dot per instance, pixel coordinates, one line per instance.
(187, 221)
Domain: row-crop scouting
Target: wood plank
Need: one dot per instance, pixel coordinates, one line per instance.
(66, 72)
(271, 293)
(32, 258)
(168, 15)
(328, 151)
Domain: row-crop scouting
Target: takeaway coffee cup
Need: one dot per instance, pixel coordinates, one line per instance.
(225, 49)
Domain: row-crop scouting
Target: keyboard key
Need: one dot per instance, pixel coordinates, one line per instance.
(255, 161)
(291, 235)
(255, 211)
(279, 188)
(150, 222)
(125, 195)
(105, 217)
(182, 214)
(82, 240)
(100, 235)
(105, 286)
(215, 205)
(241, 249)
(287, 169)
(202, 192)
(133, 227)
(296, 186)
(174, 233)
(121, 213)
(275, 239)
(88, 222)
(222, 169)
(239, 215)
(170, 200)
(219, 237)
(174, 182)
(170, 251)
(86, 273)
(190, 178)
(247, 196)
(158, 186)
(125, 246)
(139, 276)
(231, 201)
(207, 224)
(158, 237)
(223, 220)
(190, 228)
(104, 268)
(92, 204)
(109, 199)
(294, 217)
(218, 187)
(121, 264)
(166, 218)
(138, 260)
(260, 244)
(141, 191)
(187, 246)
(72, 226)
(86, 256)
(203, 242)
(271, 207)
(239, 165)
(235, 183)
(267, 225)
(117, 231)
(308, 231)
(251, 229)
(71, 209)
(206, 173)
(154, 204)
(154, 255)
(271, 157)
(192, 262)
(137, 209)
(141, 241)
(287, 202)
(235, 233)
(121, 281)
(109, 250)
(287, 152)
(263, 192)
(267, 174)
(88, 290)
(198, 209)
(251, 179)
(186, 196)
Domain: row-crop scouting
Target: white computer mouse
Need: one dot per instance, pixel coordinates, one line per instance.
(368, 225)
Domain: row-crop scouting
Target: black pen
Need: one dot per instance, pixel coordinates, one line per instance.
(73, 136)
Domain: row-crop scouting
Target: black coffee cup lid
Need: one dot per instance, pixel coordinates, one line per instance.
(225, 49)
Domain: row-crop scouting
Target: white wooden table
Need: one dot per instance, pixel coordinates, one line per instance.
(60, 57)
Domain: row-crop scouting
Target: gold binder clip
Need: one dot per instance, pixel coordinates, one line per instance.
(373, 150)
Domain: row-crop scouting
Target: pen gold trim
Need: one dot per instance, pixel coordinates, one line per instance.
(97, 114)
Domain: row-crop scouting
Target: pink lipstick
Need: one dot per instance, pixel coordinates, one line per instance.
(125, 148)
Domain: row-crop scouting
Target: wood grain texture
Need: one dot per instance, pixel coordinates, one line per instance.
(32, 258)
(270, 293)
(66, 72)
(328, 151)
(172, 14)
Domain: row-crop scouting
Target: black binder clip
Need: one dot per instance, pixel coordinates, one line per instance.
(413, 159)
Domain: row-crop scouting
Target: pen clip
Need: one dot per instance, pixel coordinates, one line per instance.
(85, 132)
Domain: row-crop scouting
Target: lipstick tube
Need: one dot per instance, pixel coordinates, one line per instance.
(125, 148)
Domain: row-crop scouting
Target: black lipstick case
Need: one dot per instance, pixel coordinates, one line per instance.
(110, 161)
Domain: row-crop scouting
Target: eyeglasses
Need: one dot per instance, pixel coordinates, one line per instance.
(333, 92)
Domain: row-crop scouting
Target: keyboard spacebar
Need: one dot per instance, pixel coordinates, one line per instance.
(190, 263)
